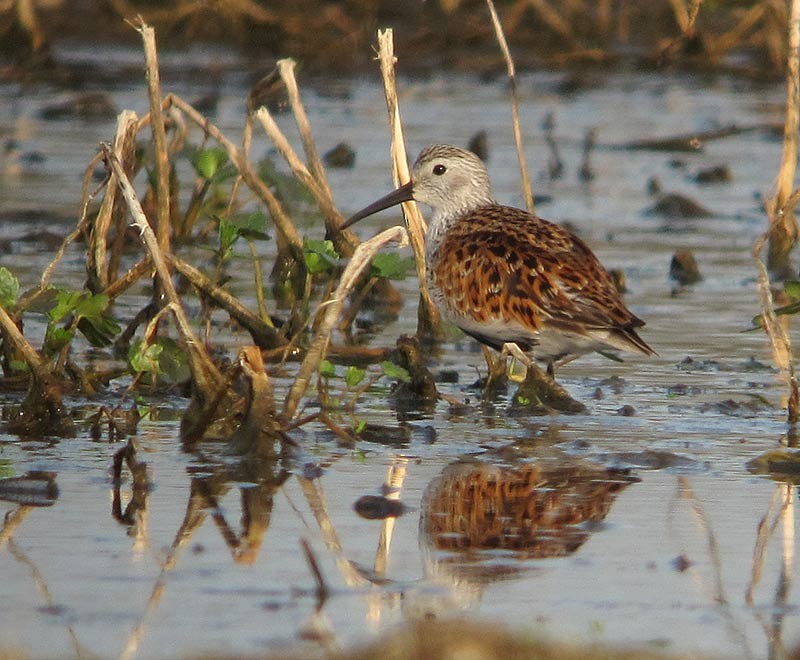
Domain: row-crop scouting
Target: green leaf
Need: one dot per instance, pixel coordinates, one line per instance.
(320, 256)
(392, 370)
(207, 162)
(251, 225)
(392, 266)
(327, 369)
(173, 362)
(359, 426)
(56, 338)
(792, 289)
(144, 357)
(99, 330)
(19, 365)
(9, 288)
(353, 376)
(65, 304)
(228, 235)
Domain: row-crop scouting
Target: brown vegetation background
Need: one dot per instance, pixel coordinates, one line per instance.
(339, 35)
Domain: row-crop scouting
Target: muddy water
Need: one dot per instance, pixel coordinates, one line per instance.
(635, 529)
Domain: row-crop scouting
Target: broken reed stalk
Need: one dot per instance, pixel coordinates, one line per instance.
(328, 313)
(205, 375)
(428, 318)
(777, 335)
(333, 219)
(512, 80)
(344, 242)
(266, 336)
(162, 165)
(100, 265)
(783, 232)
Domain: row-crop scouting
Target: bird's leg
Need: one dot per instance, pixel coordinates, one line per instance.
(551, 370)
(539, 389)
(512, 350)
(496, 379)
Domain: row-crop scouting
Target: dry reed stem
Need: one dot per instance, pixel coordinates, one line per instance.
(264, 335)
(86, 198)
(782, 226)
(686, 14)
(132, 275)
(345, 242)
(512, 79)
(777, 334)
(783, 234)
(127, 122)
(162, 166)
(325, 200)
(283, 223)
(12, 334)
(328, 313)
(428, 315)
(206, 376)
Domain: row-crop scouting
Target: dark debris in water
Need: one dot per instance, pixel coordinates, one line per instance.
(779, 464)
(651, 459)
(731, 407)
(674, 206)
(35, 488)
(378, 507)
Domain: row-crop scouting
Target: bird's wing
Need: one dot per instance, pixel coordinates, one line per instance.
(503, 264)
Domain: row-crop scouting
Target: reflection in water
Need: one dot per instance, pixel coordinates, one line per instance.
(533, 510)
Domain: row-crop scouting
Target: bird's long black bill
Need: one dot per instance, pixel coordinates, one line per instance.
(403, 194)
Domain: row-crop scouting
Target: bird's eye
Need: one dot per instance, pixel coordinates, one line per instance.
(439, 169)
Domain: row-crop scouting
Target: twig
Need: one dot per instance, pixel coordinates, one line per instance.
(345, 242)
(783, 238)
(428, 314)
(162, 167)
(263, 335)
(127, 122)
(512, 80)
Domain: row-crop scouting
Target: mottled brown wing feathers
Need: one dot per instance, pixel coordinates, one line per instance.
(501, 263)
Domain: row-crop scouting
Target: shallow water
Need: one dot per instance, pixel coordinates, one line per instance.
(581, 551)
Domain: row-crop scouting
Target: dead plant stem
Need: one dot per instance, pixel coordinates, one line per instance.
(429, 322)
(784, 236)
(512, 80)
(206, 376)
(162, 166)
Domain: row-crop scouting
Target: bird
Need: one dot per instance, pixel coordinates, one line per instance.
(508, 278)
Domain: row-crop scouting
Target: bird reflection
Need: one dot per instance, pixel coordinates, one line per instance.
(546, 508)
